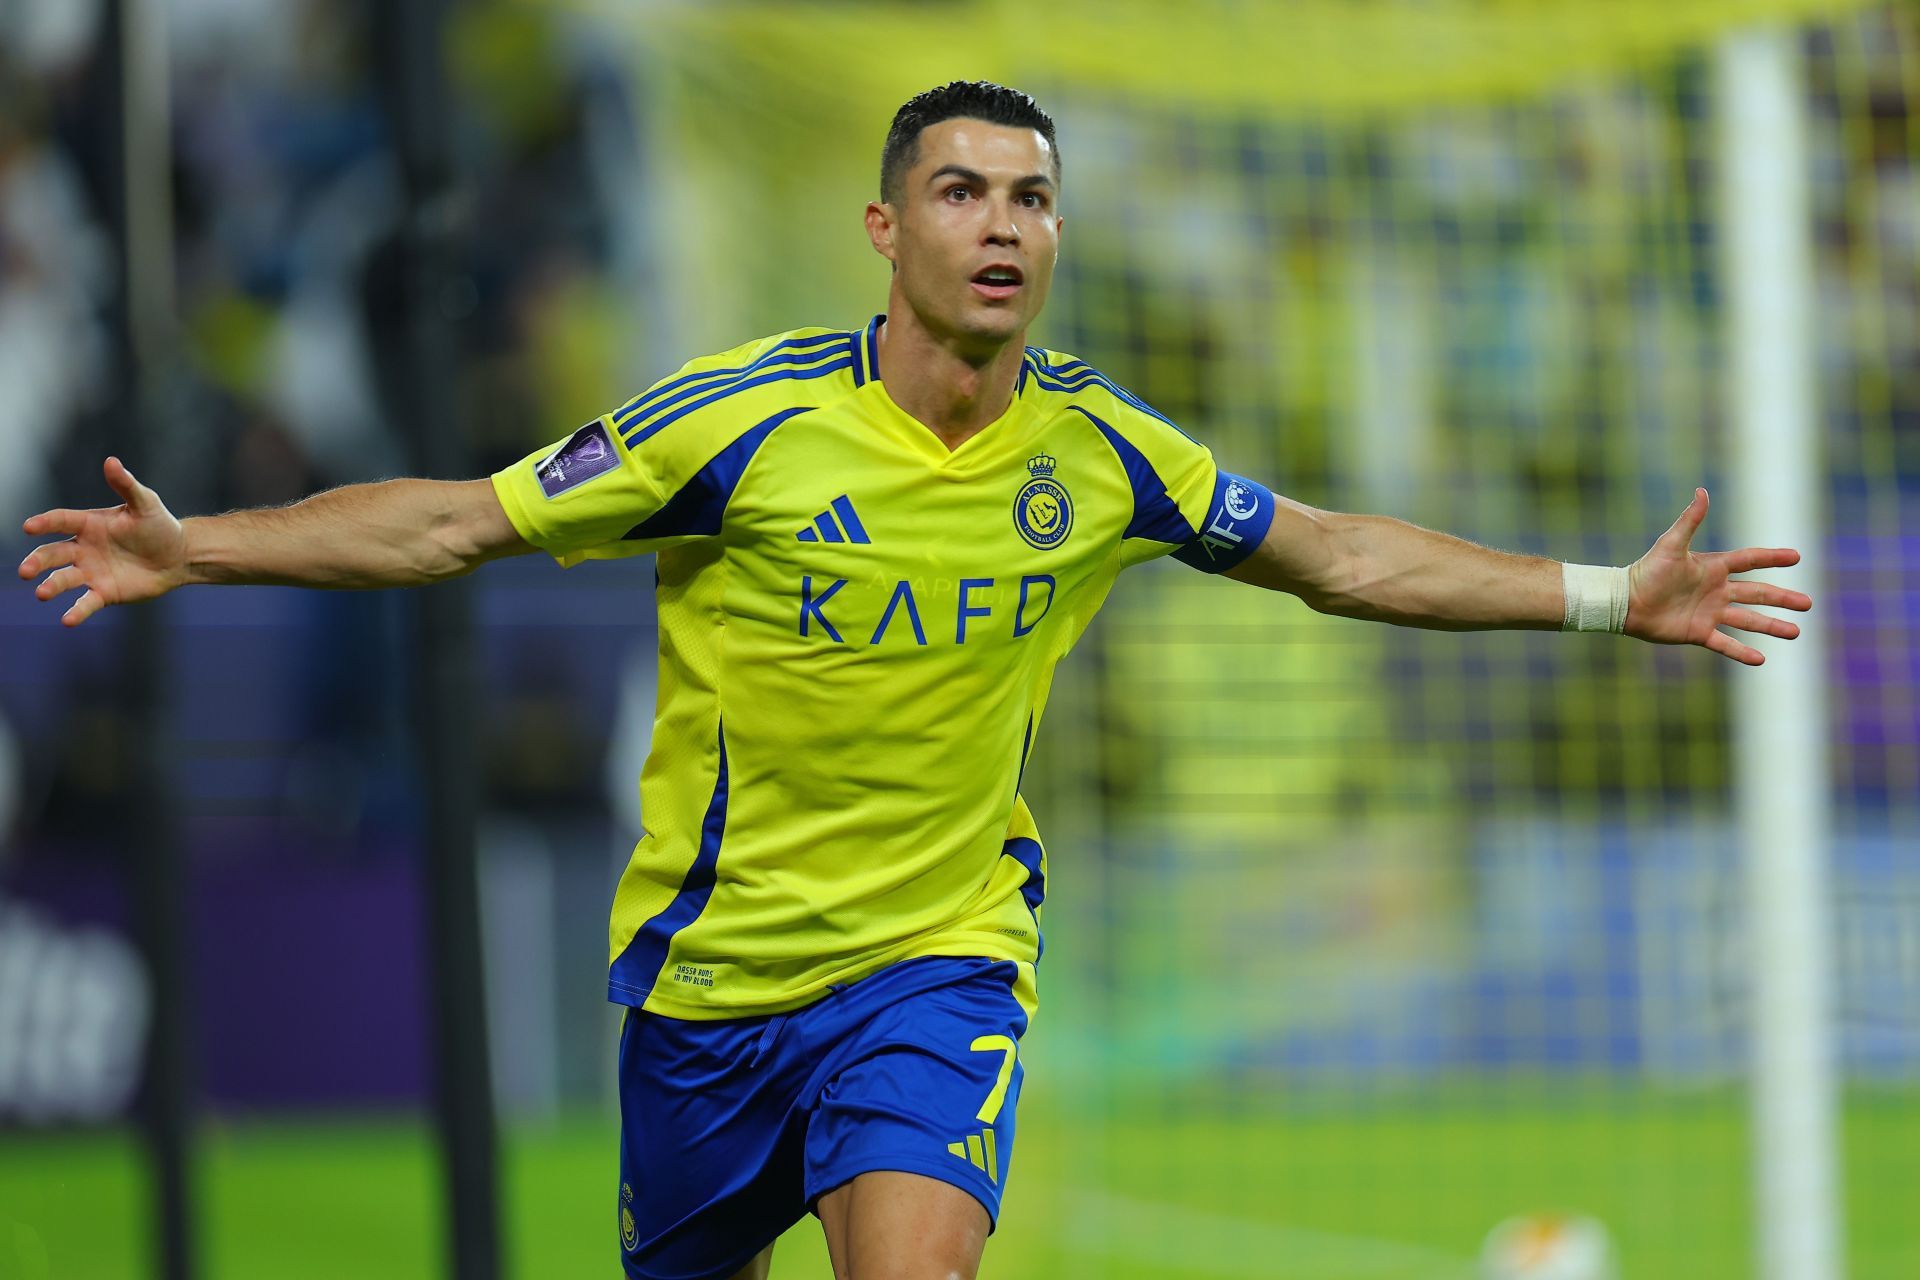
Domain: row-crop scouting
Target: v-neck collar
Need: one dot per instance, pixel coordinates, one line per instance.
(866, 369)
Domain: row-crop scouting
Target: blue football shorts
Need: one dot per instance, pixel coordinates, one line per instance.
(730, 1131)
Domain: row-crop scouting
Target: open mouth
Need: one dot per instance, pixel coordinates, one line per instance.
(998, 281)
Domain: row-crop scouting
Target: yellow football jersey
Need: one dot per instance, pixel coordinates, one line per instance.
(858, 628)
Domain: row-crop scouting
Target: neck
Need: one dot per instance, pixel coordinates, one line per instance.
(951, 390)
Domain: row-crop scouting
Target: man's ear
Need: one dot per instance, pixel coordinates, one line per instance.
(880, 221)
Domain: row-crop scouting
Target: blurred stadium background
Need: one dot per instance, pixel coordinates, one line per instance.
(1360, 941)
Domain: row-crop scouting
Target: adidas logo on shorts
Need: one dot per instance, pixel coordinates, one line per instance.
(978, 1151)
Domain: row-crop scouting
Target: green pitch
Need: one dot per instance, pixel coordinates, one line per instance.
(1367, 1187)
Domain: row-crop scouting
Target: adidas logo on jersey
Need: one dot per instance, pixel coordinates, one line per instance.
(826, 529)
(978, 1151)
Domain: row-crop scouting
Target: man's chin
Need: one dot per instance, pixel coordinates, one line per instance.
(991, 325)
(981, 329)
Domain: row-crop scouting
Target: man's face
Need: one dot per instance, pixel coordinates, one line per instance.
(974, 232)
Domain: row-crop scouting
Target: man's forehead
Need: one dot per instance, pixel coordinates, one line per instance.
(1008, 150)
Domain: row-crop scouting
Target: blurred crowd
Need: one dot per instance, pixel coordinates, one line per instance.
(284, 205)
(275, 374)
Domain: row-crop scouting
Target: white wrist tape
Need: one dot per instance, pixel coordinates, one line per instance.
(1596, 597)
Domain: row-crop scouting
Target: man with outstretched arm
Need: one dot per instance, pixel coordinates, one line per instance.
(874, 545)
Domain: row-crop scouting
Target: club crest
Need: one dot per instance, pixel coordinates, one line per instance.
(1043, 511)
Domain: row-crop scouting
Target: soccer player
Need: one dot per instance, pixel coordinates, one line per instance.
(873, 546)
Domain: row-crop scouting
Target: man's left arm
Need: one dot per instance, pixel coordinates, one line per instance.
(1386, 570)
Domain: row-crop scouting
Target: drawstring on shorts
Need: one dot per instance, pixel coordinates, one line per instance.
(768, 1034)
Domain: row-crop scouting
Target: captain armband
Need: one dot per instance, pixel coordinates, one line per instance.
(1237, 522)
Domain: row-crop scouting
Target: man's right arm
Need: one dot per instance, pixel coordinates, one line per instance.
(395, 533)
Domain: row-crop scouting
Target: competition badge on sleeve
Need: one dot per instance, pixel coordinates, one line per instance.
(587, 453)
(1043, 513)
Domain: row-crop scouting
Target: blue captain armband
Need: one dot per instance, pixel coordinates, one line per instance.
(1238, 520)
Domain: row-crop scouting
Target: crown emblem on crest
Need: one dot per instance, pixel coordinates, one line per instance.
(1043, 509)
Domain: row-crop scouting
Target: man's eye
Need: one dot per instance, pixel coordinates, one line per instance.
(1034, 200)
(957, 193)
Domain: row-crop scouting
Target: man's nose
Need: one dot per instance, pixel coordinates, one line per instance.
(1002, 229)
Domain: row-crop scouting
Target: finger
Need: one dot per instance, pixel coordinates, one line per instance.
(64, 580)
(137, 496)
(1748, 620)
(51, 556)
(1683, 529)
(1722, 643)
(83, 608)
(1749, 558)
(58, 521)
(1767, 594)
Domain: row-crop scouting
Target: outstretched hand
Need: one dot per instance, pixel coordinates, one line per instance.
(134, 551)
(1679, 596)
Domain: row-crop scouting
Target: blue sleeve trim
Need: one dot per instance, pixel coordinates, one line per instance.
(1238, 521)
(701, 503)
(1155, 514)
(1077, 375)
(638, 430)
(789, 349)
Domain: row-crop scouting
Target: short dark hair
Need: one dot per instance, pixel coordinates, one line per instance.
(969, 99)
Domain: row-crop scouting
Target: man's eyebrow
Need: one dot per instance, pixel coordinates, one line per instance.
(957, 171)
(980, 179)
